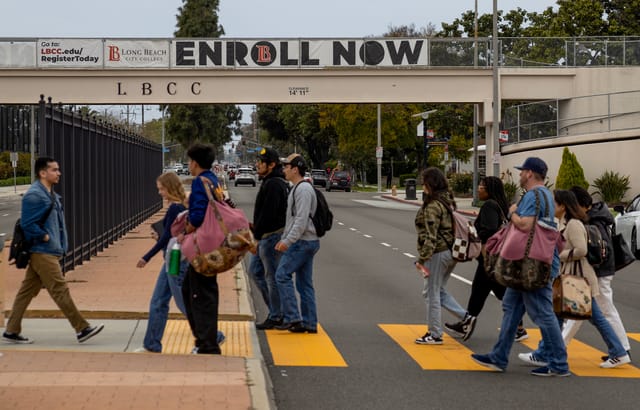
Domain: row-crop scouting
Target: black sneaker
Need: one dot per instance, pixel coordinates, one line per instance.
(16, 338)
(300, 328)
(605, 358)
(456, 329)
(469, 325)
(289, 325)
(428, 339)
(521, 334)
(268, 324)
(89, 332)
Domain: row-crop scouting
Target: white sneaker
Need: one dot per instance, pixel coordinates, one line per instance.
(531, 359)
(142, 350)
(612, 362)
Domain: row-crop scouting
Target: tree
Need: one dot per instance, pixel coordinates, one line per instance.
(206, 123)
(570, 172)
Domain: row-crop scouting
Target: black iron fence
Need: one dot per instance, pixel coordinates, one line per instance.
(15, 128)
(108, 178)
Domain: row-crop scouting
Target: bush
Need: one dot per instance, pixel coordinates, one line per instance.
(570, 172)
(511, 189)
(612, 187)
(19, 181)
(408, 176)
(461, 183)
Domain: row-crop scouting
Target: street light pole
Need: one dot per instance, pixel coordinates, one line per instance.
(163, 110)
(496, 95)
(475, 110)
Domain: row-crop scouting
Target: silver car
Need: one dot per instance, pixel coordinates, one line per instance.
(245, 177)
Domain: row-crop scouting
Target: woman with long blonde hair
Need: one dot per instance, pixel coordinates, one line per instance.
(171, 190)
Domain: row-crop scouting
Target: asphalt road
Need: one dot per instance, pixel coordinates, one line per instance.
(9, 212)
(364, 277)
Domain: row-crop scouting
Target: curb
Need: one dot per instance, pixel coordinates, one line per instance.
(416, 203)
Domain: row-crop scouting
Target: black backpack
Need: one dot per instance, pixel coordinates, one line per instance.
(20, 248)
(323, 218)
(597, 249)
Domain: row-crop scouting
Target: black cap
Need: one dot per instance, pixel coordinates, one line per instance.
(269, 155)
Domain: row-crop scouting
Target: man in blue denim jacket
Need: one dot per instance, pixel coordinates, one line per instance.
(49, 244)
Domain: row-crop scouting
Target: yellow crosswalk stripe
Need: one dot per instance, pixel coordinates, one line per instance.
(451, 355)
(177, 338)
(303, 349)
(634, 336)
(584, 360)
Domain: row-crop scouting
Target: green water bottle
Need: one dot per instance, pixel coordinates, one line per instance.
(174, 260)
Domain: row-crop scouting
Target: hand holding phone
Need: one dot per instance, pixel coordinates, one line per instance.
(422, 269)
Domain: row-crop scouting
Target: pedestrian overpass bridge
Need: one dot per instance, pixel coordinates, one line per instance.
(368, 70)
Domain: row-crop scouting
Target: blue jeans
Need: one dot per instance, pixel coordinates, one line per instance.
(270, 259)
(538, 304)
(436, 296)
(166, 286)
(256, 271)
(299, 259)
(614, 346)
(159, 305)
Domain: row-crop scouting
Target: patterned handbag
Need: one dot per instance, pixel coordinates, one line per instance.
(572, 293)
(524, 258)
(221, 241)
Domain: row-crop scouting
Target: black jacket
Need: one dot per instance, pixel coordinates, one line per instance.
(270, 210)
(600, 216)
(489, 220)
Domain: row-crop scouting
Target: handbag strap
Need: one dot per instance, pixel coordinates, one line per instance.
(212, 201)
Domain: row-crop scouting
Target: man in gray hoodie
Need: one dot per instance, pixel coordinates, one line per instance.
(298, 244)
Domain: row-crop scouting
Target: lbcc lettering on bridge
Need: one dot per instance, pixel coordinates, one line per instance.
(298, 53)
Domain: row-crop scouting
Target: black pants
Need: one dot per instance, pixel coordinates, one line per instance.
(481, 286)
(201, 303)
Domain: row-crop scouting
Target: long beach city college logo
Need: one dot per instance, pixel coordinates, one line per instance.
(114, 53)
(263, 53)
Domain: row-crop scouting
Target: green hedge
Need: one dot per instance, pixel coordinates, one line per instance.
(18, 181)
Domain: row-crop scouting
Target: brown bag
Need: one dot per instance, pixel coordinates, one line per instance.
(572, 293)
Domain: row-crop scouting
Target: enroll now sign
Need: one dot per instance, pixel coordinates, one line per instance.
(213, 53)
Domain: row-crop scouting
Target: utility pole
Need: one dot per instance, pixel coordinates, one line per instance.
(475, 110)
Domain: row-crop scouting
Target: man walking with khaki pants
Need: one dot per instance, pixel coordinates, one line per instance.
(43, 225)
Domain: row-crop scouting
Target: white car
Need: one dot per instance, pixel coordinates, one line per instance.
(244, 177)
(628, 224)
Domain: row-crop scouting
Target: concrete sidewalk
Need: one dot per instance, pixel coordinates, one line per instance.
(103, 373)
(465, 205)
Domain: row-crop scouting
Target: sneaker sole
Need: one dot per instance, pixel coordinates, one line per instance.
(488, 365)
(97, 330)
(454, 332)
(551, 374)
(521, 338)
(424, 343)
(17, 342)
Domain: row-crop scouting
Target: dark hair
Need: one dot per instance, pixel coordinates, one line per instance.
(572, 209)
(202, 154)
(42, 164)
(438, 185)
(495, 189)
(582, 195)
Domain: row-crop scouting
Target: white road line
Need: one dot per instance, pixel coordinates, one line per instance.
(385, 244)
(340, 223)
(408, 254)
(367, 236)
(6, 215)
(461, 279)
(352, 229)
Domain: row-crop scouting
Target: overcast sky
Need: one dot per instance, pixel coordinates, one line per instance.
(240, 18)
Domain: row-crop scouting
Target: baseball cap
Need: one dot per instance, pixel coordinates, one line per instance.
(269, 155)
(295, 160)
(534, 164)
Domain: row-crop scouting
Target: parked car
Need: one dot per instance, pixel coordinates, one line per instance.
(628, 224)
(319, 177)
(339, 180)
(308, 178)
(245, 177)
